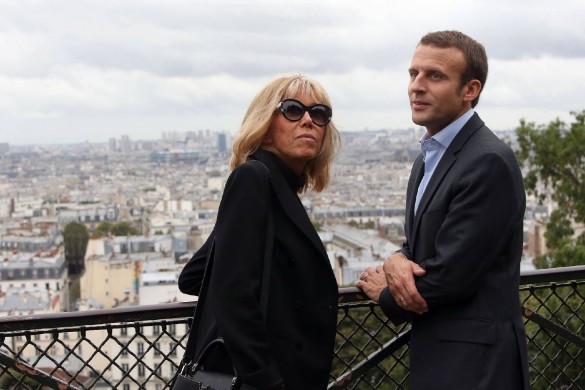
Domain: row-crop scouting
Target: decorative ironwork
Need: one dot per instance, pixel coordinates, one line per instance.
(141, 347)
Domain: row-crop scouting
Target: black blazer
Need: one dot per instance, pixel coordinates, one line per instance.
(293, 345)
(468, 235)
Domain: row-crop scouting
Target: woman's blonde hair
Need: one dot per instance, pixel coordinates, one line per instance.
(259, 117)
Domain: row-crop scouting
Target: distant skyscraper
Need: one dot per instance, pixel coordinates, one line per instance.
(113, 145)
(125, 144)
(221, 143)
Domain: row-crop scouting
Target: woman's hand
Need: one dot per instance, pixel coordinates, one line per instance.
(372, 281)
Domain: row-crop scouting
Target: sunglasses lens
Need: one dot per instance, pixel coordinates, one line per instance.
(320, 114)
(292, 110)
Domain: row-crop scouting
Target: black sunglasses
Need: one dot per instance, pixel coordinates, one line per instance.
(293, 110)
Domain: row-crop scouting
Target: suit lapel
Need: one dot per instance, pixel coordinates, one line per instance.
(417, 173)
(293, 207)
(448, 159)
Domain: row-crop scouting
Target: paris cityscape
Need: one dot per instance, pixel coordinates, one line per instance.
(167, 191)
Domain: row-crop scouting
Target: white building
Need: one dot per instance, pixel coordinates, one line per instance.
(352, 250)
(32, 283)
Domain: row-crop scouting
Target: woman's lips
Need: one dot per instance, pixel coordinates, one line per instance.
(307, 136)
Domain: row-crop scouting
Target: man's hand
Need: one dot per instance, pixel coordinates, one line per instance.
(400, 273)
(372, 281)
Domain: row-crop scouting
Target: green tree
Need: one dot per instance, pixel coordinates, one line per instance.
(554, 158)
(123, 229)
(104, 229)
(75, 238)
(370, 225)
(317, 225)
(11, 378)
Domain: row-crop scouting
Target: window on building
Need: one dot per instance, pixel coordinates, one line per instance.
(172, 349)
(126, 387)
(156, 349)
(140, 369)
(123, 331)
(125, 367)
(140, 348)
(156, 330)
(172, 329)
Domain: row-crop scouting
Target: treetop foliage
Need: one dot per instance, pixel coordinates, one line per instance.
(553, 156)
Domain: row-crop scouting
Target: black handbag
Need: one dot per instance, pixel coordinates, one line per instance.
(192, 375)
(196, 378)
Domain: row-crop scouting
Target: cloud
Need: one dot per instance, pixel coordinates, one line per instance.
(143, 67)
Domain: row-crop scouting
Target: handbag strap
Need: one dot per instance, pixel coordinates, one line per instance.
(189, 355)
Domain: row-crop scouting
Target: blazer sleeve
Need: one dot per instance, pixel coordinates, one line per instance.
(191, 276)
(235, 285)
(484, 209)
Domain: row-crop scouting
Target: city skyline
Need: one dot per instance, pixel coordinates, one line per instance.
(90, 71)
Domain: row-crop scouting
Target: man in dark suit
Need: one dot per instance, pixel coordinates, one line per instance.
(457, 275)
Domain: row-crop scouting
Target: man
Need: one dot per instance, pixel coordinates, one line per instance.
(457, 275)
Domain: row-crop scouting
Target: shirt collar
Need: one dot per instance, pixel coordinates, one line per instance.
(447, 134)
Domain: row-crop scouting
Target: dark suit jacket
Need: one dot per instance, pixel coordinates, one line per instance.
(293, 345)
(468, 235)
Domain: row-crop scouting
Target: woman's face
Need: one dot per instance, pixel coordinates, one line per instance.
(296, 143)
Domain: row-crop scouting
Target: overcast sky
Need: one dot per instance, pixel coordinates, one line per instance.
(81, 70)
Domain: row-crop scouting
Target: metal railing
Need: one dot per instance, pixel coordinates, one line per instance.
(140, 347)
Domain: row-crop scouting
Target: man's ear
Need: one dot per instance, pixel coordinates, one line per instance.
(471, 90)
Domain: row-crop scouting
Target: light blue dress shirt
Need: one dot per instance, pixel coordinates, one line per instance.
(433, 148)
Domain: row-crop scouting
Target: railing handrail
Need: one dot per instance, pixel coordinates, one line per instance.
(550, 275)
(185, 309)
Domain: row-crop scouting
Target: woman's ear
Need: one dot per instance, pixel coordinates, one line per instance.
(267, 139)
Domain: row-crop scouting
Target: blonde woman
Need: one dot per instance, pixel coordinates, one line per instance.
(285, 146)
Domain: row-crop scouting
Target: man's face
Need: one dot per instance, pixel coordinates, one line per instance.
(436, 96)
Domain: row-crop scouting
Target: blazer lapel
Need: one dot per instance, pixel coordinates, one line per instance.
(448, 159)
(418, 170)
(296, 212)
(293, 207)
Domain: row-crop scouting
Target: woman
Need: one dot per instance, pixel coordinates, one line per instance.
(288, 129)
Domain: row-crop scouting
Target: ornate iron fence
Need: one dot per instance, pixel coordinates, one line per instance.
(140, 347)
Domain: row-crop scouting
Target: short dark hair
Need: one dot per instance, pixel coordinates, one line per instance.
(473, 51)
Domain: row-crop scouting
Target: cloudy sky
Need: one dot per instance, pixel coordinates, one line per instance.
(81, 70)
